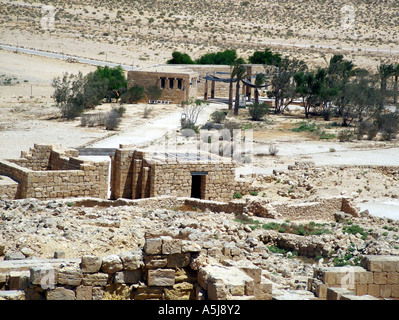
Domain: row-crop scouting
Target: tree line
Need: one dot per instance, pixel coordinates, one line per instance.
(341, 89)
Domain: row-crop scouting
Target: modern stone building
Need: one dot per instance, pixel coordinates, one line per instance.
(177, 83)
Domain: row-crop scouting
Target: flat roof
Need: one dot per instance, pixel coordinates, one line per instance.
(186, 157)
(168, 69)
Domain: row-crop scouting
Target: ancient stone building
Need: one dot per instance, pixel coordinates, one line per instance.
(48, 171)
(137, 174)
(177, 83)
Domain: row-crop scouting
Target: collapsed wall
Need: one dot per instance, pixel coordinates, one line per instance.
(165, 269)
(49, 172)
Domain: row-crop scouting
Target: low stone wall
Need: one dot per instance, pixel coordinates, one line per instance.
(46, 172)
(8, 188)
(166, 269)
(378, 277)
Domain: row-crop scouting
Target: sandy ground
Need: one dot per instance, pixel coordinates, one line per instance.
(26, 119)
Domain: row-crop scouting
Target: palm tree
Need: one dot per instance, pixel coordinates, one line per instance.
(240, 72)
(395, 88)
(385, 71)
(260, 80)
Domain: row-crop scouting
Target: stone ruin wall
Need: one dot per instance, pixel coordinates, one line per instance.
(166, 269)
(133, 177)
(377, 277)
(173, 269)
(48, 173)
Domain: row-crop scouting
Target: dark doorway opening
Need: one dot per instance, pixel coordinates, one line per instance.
(198, 185)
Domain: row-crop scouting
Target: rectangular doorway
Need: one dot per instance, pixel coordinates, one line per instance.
(198, 182)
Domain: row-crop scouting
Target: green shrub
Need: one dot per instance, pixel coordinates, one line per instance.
(133, 95)
(354, 229)
(274, 249)
(218, 116)
(345, 135)
(237, 195)
(305, 126)
(258, 110)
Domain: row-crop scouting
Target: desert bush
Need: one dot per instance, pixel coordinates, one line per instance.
(133, 95)
(258, 110)
(273, 150)
(112, 120)
(231, 126)
(388, 125)
(218, 116)
(366, 128)
(345, 135)
(74, 93)
(147, 111)
(153, 92)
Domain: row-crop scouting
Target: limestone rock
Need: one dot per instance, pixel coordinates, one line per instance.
(61, 293)
(132, 260)
(91, 264)
(161, 277)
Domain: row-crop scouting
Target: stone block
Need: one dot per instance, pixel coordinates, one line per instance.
(217, 290)
(12, 295)
(18, 280)
(91, 264)
(373, 263)
(180, 291)
(146, 293)
(155, 261)
(4, 277)
(84, 293)
(132, 260)
(395, 291)
(70, 277)
(321, 291)
(60, 293)
(45, 276)
(365, 277)
(393, 278)
(373, 290)
(264, 290)
(95, 279)
(98, 293)
(190, 246)
(171, 246)
(129, 277)
(385, 291)
(361, 289)
(161, 277)
(353, 297)
(330, 278)
(112, 264)
(336, 293)
(380, 277)
(178, 260)
(117, 291)
(153, 246)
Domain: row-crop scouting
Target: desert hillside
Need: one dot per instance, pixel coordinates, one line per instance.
(146, 32)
